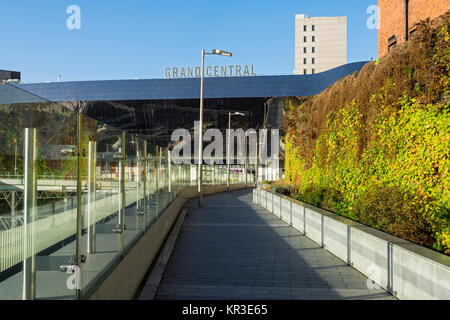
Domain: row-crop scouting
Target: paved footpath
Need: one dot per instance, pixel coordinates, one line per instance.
(232, 249)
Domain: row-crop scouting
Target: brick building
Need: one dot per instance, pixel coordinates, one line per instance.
(398, 19)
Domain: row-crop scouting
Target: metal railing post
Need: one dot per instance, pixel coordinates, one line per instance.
(169, 165)
(158, 159)
(245, 170)
(144, 177)
(29, 215)
(122, 195)
(91, 197)
(79, 225)
(139, 209)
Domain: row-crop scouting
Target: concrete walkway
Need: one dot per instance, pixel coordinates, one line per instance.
(232, 249)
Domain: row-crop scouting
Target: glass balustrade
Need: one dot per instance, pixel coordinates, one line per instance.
(77, 194)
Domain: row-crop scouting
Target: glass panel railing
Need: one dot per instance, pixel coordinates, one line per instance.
(101, 197)
(37, 197)
(152, 187)
(141, 183)
(56, 183)
(76, 194)
(133, 219)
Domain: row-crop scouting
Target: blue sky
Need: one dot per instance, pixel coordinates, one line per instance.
(139, 38)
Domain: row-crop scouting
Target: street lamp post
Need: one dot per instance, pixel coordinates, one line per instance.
(229, 144)
(200, 144)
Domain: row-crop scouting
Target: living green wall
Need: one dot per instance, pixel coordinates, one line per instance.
(382, 156)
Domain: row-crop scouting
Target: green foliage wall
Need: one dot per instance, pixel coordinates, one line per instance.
(386, 165)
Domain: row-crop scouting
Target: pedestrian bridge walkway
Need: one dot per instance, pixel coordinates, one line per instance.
(233, 249)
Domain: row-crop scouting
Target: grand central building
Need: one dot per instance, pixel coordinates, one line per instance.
(86, 176)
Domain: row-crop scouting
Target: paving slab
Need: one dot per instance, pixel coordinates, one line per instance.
(233, 249)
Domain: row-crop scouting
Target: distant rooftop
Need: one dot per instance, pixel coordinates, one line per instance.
(156, 89)
(303, 16)
(6, 75)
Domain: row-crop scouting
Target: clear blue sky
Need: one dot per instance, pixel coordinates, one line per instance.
(139, 38)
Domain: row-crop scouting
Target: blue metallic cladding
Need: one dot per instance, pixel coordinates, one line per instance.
(9, 94)
(158, 89)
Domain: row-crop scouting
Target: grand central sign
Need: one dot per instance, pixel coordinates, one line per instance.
(210, 71)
